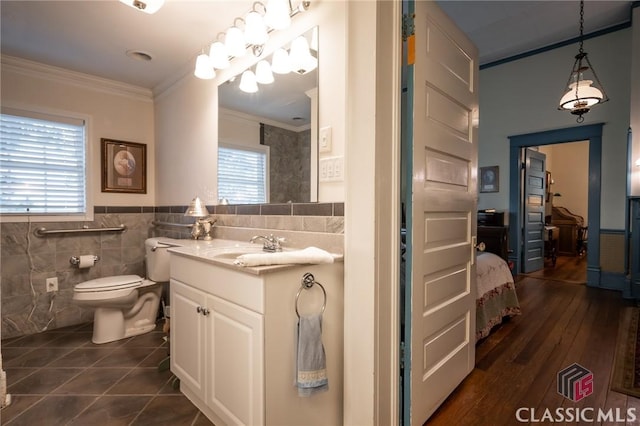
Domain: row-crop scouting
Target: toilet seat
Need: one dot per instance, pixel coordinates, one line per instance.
(118, 282)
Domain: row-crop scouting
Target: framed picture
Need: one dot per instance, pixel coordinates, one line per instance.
(124, 166)
(489, 179)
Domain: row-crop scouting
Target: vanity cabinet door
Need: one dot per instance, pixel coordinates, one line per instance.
(187, 335)
(235, 359)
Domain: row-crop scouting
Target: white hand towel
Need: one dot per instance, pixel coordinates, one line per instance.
(310, 255)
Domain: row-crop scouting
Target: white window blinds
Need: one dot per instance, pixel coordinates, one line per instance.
(242, 175)
(42, 165)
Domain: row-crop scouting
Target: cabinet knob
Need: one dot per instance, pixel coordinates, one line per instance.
(205, 311)
(199, 309)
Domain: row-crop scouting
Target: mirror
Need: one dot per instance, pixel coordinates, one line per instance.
(281, 119)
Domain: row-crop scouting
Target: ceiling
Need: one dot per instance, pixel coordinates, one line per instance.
(502, 29)
(93, 36)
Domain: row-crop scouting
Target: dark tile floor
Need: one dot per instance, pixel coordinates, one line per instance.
(60, 377)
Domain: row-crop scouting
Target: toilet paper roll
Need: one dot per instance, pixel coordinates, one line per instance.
(87, 261)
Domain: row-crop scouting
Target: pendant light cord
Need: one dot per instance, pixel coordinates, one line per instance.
(581, 25)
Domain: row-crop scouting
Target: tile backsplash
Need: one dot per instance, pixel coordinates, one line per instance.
(28, 260)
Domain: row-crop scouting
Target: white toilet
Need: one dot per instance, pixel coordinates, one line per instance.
(127, 305)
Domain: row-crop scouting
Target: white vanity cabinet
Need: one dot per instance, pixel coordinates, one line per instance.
(227, 376)
(233, 341)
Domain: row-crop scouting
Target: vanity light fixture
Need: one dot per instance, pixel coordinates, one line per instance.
(219, 55)
(255, 30)
(204, 68)
(248, 82)
(263, 73)
(235, 42)
(585, 89)
(300, 57)
(276, 15)
(280, 63)
(146, 6)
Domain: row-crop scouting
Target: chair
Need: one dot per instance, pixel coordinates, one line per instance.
(581, 240)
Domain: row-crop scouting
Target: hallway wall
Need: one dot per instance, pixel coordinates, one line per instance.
(569, 167)
(540, 82)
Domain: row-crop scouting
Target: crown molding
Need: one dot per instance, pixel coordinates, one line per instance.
(74, 78)
(258, 120)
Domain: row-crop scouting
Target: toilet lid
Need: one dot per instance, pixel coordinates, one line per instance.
(117, 282)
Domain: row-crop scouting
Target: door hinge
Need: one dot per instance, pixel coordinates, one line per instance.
(408, 26)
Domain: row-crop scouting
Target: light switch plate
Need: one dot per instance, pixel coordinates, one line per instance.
(324, 144)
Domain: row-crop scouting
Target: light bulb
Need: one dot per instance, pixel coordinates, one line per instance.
(234, 40)
(248, 82)
(300, 57)
(219, 55)
(263, 73)
(255, 31)
(204, 69)
(280, 63)
(277, 14)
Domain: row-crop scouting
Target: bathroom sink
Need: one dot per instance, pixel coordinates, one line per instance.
(231, 253)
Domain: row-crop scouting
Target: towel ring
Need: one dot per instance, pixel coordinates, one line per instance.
(308, 281)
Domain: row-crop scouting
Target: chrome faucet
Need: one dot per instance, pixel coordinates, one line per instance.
(271, 243)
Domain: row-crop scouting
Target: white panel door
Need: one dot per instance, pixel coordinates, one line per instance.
(443, 208)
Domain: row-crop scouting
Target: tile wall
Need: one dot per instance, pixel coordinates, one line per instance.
(27, 260)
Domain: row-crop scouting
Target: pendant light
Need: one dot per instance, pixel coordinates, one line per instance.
(584, 87)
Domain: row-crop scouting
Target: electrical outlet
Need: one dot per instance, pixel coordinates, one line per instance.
(331, 169)
(52, 284)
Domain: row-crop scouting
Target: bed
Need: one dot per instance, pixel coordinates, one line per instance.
(496, 292)
(496, 296)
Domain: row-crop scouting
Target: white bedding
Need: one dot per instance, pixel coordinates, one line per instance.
(496, 298)
(492, 272)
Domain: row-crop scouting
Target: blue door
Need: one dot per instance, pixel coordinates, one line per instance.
(534, 187)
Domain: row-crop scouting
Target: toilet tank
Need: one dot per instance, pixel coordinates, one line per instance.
(157, 257)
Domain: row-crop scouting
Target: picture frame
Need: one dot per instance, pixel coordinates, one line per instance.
(490, 179)
(124, 166)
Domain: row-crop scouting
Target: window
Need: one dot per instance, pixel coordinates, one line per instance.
(242, 174)
(42, 164)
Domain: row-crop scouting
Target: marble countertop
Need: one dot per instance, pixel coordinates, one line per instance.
(223, 253)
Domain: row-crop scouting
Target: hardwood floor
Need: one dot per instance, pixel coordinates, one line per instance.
(516, 366)
(568, 268)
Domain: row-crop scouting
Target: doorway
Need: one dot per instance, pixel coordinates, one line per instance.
(590, 133)
(565, 200)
